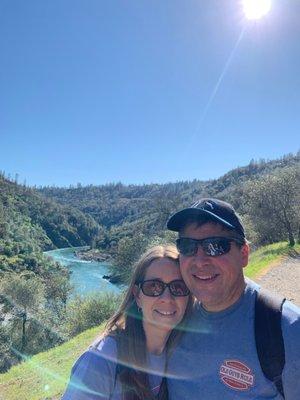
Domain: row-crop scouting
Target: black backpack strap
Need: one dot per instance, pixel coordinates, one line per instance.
(268, 336)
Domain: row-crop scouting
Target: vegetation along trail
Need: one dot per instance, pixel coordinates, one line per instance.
(284, 279)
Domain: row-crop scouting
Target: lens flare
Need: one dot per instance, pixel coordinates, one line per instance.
(256, 9)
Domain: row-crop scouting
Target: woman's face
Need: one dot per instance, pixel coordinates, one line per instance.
(165, 311)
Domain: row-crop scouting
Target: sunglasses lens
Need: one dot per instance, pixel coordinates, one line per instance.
(186, 246)
(179, 288)
(152, 288)
(155, 288)
(214, 247)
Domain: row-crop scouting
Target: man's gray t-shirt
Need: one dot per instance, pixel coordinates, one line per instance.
(217, 358)
(94, 377)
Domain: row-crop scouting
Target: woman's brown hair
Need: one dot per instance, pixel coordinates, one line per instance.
(126, 326)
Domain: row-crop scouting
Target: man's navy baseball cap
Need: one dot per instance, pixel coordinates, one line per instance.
(207, 210)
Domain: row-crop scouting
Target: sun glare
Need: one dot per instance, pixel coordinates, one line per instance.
(256, 9)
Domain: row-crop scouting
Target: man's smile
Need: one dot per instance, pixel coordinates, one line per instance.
(206, 278)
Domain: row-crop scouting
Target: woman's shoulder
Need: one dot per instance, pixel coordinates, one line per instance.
(107, 344)
(94, 372)
(101, 354)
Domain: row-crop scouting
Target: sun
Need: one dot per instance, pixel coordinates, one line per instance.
(256, 9)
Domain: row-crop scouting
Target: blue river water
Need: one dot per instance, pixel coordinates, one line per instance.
(86, 276)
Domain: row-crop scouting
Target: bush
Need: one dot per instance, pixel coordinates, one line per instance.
(86, 312)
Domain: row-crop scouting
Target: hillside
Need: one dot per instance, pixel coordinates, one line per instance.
(41, 219)
(47, 223)
(123, 210)
(33, 289)
(45, 375)
(133, 217)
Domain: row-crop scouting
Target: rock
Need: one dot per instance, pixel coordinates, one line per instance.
(92, 255)
(113, 278)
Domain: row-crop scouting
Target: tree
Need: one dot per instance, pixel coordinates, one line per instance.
(25, 295)
(3, 224)
(128, 252)
(273, 204)
(165, 202)
(6, 359)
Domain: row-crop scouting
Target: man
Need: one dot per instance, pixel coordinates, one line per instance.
(217, 358)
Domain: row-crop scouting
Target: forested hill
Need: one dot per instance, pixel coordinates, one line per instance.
(125, 210)
(32, 219)
(30, 222)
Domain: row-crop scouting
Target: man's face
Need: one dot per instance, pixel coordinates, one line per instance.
(217, 282)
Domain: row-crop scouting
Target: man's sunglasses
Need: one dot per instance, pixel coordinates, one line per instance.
(212, 246)
(155, 287)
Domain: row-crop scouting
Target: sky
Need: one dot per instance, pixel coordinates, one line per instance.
(140, 91)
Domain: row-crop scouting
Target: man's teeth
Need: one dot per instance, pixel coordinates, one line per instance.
(206, 277)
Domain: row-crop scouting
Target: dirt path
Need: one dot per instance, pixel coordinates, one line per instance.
(284, 279)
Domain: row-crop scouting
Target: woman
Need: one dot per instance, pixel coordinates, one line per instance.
(129, 361)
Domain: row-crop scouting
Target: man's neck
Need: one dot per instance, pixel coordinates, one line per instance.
(234, 298)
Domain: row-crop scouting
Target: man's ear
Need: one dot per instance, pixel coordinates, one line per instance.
(245, 250)
(136, 295)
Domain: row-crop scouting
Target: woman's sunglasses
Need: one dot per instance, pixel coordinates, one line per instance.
(155, 287)
(212, 246)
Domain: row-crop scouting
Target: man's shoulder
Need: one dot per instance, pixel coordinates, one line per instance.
(291, 318)
(291, 311)
(290, 322)
(251, 286)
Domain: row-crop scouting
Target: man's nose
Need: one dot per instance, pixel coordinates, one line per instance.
(201, 255)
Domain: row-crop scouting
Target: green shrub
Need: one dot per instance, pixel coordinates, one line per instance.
(86, 312)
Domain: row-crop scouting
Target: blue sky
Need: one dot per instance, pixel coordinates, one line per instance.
(143, 91)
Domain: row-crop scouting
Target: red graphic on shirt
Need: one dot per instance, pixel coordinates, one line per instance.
(236, 375)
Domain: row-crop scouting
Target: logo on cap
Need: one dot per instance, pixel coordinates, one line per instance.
(206, 203)
(209, 204)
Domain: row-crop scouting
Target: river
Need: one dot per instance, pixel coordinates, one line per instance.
(86, 276)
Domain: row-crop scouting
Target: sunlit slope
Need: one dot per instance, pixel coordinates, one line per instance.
(45, 375)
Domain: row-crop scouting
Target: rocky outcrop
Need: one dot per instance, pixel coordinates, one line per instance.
(92, 255)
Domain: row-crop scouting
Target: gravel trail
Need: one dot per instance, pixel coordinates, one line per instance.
(284, 279)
